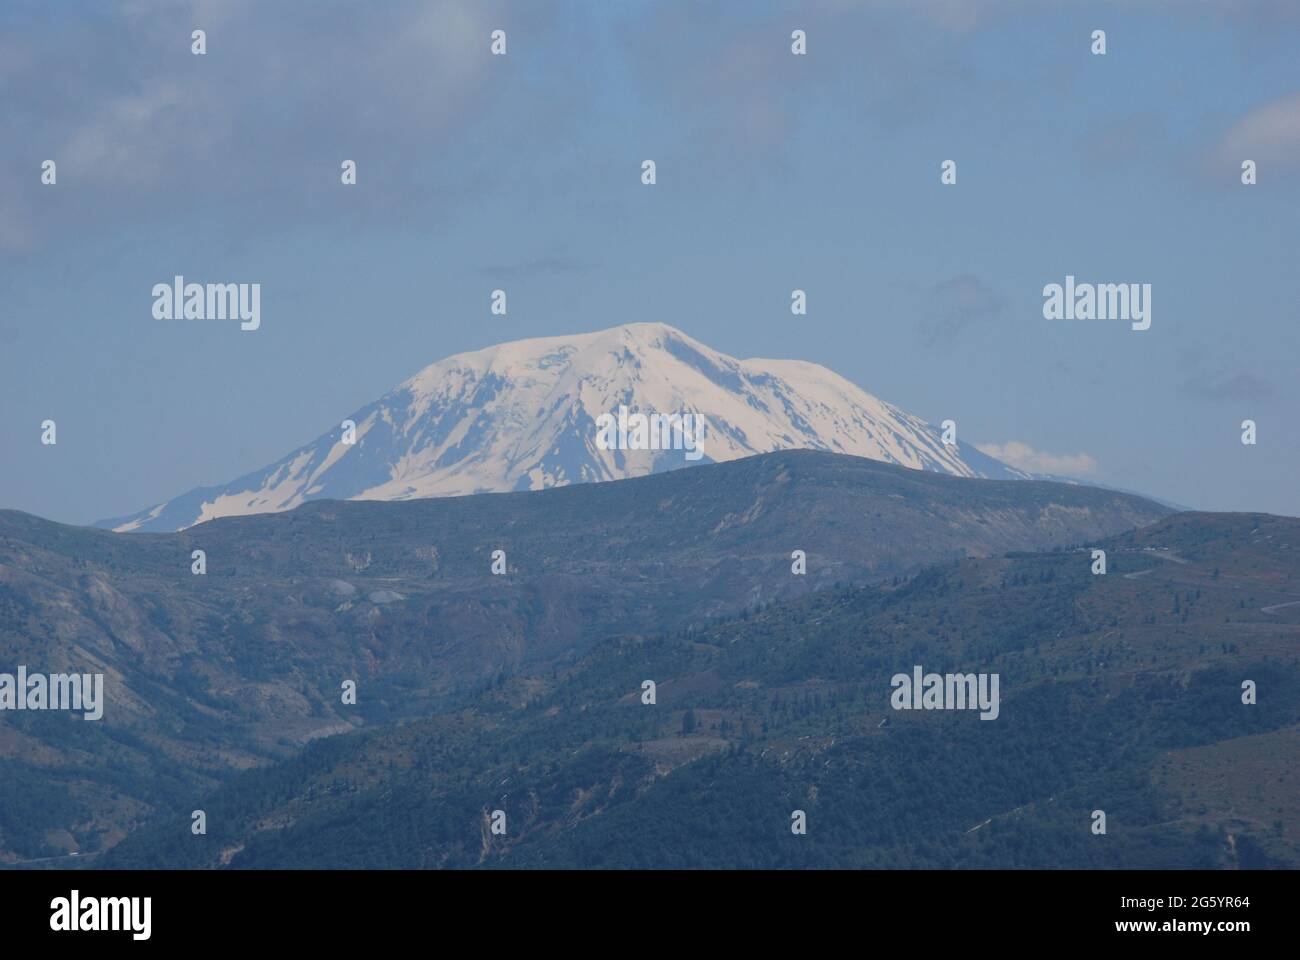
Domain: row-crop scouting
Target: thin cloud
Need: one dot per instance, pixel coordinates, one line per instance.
(1269, 134)
(1242, 385)
(133, 116)
(1125, 142)
(1022, 456)
(948, 308)
(537, 266)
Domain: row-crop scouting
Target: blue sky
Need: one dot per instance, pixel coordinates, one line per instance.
(774, 172)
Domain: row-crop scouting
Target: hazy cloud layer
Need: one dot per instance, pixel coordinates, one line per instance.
(136, 122)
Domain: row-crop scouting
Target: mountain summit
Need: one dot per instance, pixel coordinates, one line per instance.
(527, 415)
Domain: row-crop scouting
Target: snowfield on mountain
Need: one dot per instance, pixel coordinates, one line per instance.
(523, 416)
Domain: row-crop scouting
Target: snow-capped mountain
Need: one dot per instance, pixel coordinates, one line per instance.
(527, 415)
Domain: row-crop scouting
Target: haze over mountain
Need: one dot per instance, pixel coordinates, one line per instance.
(523, 416)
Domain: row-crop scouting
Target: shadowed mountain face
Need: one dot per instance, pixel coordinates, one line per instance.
(208, 674)
(525, 415)
(1120, 694)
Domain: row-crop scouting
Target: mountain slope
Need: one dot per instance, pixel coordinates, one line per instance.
(524, 416)
(207, 675)
(1119, 692)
